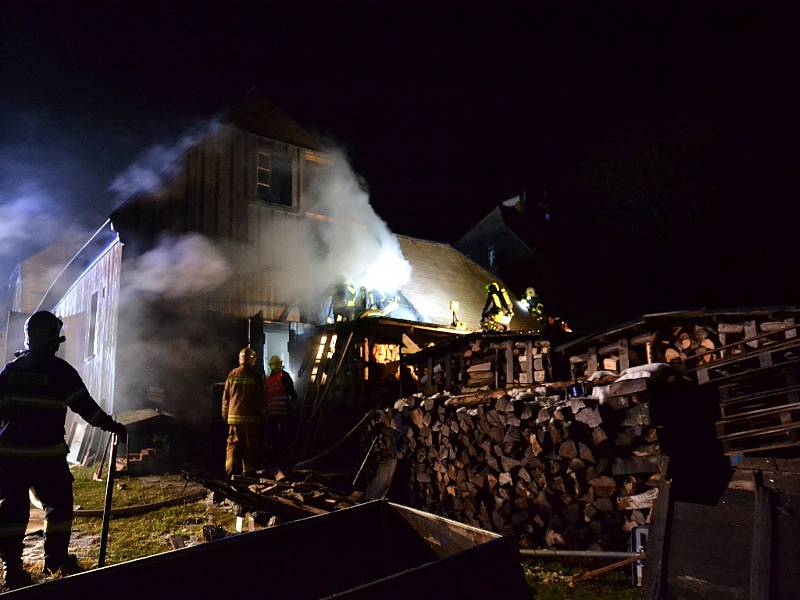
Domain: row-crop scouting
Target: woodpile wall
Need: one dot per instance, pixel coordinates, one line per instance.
(482, 361)
(564, 472)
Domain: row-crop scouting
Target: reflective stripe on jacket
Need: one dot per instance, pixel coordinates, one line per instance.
(35, 392)
(242, 398)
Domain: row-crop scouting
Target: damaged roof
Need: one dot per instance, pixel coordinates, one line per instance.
(262, 117)
(441, 273)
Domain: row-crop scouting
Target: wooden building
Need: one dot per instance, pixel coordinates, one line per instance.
(245, 186)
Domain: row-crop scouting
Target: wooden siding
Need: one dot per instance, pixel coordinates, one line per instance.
(214, 193)
(95, 367)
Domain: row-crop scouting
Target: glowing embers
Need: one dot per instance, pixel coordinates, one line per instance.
(385, 353)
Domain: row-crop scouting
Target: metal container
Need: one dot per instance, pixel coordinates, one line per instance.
(374, 550)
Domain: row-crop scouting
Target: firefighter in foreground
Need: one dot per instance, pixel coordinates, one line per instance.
(242, 406)
(35, 391)
(280, 393)
(498, 310)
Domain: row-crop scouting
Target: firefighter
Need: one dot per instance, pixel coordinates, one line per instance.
(242, 406)
(279, 390)
(35, 391)
(535, 308)
(498, 310)
(343, 302)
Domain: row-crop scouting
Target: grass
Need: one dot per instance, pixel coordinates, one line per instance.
(144, 535)
(549, 580)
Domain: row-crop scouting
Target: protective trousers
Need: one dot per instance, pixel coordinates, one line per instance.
(52, 482)
(243, 453)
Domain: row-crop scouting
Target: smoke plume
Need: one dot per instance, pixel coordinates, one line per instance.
(157, 164)
(165, 338)
(168, 294)
(339, 237)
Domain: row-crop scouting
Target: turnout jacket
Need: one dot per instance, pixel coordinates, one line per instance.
(242, 398)
(35, 392)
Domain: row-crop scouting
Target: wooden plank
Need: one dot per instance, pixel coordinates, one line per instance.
(782, 428)
(626, 387)
(658, 540)
(624, 357)
(509, 364)
(591, 363)
(761, 554)
(529, 362)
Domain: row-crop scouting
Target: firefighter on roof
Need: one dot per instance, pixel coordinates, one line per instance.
(279, 390)
(35, 391)
(343, 302)
(535, 308)
(498, 310)
(242, 405)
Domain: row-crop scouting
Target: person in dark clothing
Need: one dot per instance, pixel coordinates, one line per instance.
(280, 395)
(35, 391)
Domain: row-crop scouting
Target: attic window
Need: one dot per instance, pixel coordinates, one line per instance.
(274, 176)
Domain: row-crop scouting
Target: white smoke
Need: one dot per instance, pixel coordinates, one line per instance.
(359, 244)
(179, 267)
(157, 164)
(339, 237)
(165, 336)
(26, 218)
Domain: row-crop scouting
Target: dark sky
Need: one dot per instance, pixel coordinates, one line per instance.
(665, 135)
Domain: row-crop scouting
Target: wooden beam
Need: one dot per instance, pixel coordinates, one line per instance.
(624, 358)
(761, 555)
(529, 362)
(658, 541)
(509, 364)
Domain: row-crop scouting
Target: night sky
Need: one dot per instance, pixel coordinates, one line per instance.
(664, 137)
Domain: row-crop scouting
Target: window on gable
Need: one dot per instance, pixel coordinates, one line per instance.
(274, 176)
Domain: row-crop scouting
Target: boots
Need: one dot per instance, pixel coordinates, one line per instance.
(69, 566)
(16, 577)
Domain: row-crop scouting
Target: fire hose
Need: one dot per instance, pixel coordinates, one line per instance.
(112, 469)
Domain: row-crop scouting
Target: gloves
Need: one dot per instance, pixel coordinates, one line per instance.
(119, 429)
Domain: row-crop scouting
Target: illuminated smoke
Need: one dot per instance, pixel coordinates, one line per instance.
(340, 239)
(179, 267)
(27, 218)
(157, 164)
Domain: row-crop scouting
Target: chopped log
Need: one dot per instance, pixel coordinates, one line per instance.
(639, 501)
(568, 449)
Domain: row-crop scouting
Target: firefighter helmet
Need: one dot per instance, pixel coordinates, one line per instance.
(43, 331)
(275, 363)
(530, 293)
(247, 356)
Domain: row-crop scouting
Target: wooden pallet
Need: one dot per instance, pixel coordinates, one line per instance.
(775, 355)
(734, 406)
(760, 430)
(757, 419)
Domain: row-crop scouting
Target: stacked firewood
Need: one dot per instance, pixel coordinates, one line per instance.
(487, 361)
(565, 472)
(692, 340)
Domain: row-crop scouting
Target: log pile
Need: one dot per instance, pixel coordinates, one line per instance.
(686, 342)
(564, 472)
(482, 362)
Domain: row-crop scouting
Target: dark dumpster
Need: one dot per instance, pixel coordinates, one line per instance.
(374, 550)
